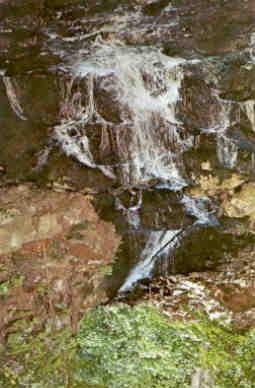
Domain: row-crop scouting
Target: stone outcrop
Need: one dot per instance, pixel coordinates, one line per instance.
(242, 204)
(54, 253)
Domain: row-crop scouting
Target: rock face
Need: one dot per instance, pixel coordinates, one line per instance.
(29, 215)
(144, 99)
(54, 252)
(242, 204)
(149, 106)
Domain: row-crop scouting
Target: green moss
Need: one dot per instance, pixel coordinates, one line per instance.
(4, 211)
(124, 347)
(75, 232)
(138, 347)
(106, 270)
(6, 287)
(121, 346)
(45, 360)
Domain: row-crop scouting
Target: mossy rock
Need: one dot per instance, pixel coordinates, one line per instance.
(121, 346)
(44, 360)
(138, 347)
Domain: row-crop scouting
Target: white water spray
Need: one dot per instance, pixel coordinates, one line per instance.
(147, 91)
(157, 242)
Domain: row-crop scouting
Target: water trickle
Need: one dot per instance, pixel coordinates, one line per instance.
(227, 151)
(249, 108)
(159, 244)
(13, 98)
(131, 213)
(252, 47)
(198, 207)
(71, 134)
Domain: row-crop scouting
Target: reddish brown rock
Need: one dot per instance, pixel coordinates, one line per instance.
(53, 247)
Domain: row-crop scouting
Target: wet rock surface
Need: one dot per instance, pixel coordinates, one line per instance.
(129, 102)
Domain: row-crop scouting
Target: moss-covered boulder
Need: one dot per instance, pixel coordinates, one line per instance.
(121, 346)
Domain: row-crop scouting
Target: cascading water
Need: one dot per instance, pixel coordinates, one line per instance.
(197, 207)
(159, 245)
(146, 87)
(149, 139)
(149, 94)
(128, 98)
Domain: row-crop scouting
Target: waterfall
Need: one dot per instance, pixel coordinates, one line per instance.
(146, 87)
(147, 140)
(145, 137)
(151, 104)
(156, 246)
